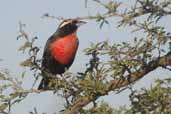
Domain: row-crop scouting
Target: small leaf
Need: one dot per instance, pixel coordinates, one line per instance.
(3, 106)
(34, 111)
(25, 46)
(2, 96)
(14, 95)
(101, 24)
(26, 63)
(23, 74)
(2, 76)
(99, 18)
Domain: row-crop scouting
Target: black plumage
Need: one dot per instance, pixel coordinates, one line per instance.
(49, 63)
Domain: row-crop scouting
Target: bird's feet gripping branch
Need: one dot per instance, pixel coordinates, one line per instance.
(60, 50)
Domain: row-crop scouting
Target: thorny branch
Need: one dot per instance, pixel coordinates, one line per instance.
(114, 84)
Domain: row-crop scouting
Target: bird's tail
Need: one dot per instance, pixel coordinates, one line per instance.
(43, 84)
(46, 82)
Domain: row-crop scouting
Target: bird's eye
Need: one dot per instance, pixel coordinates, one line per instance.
(74, 21)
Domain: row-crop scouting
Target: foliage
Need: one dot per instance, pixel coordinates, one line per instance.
(125, 63)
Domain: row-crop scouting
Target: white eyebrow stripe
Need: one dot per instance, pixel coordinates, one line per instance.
(65, 23)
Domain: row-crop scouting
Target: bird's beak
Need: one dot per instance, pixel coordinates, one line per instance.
(79, 23)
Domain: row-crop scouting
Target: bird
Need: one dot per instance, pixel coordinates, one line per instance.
(60, 50)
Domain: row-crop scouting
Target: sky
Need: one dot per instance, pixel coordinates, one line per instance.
(30, 13)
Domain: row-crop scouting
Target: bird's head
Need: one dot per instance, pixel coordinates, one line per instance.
(69, 26)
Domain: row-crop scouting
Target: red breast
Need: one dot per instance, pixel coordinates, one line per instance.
(64, 49)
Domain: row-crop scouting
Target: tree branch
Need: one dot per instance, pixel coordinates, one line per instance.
(115, 84)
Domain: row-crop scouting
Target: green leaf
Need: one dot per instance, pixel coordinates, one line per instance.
(3, 106)
(2, 96)
(23, 74)
(26, 63)
(14, 95)
(34, 111)
(25, 46)
(2, 76)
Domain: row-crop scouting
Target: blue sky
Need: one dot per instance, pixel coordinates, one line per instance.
(30, 13)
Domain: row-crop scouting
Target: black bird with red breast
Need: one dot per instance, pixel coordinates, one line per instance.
(60, 49)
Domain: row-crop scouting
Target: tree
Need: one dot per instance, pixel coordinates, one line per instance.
(124, 64)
